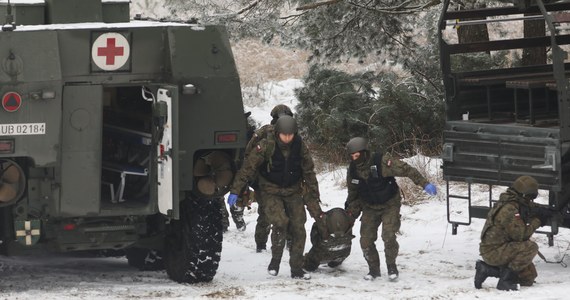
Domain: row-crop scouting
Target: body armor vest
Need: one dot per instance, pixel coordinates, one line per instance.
(284, 171)
(377, 189)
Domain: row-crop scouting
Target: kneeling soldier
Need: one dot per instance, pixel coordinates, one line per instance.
(505, 245)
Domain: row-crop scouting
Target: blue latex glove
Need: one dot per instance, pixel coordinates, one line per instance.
(232, 199)
(430, 189)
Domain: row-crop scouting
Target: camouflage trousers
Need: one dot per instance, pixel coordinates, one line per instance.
(389, 216)
(263, 227)
(286, 214)
(518, 257)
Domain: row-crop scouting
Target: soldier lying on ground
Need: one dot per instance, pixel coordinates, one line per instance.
(332, 244)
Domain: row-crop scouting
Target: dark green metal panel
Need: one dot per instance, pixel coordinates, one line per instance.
(24, 13)
(205, 60)
(81, 150)
(200, 50)
(30, 73)
(149, 55)
(116, 11)
(21, 60)
(497, 155)
(75, 47)
(73, 11)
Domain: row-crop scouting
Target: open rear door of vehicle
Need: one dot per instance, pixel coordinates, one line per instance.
(166, 121)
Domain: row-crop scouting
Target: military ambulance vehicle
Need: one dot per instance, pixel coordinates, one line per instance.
(508, 120)
(116, 134)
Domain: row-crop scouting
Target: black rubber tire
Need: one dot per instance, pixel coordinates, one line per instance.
(194, 245)
(145, 259)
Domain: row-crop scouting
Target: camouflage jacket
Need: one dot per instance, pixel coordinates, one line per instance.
(258, 135)
(263, 152)
(508, 221)
(391, 167)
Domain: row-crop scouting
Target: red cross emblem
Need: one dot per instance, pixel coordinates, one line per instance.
(110, 51)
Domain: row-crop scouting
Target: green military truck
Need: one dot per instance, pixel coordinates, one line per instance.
(507, 120)
(116, 134)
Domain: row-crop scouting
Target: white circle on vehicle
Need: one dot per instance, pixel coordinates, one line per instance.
(110, 51)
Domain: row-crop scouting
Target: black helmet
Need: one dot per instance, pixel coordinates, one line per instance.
(281, 110)
(286, 124)
(338, 222)
(356, 144)
(526, 186)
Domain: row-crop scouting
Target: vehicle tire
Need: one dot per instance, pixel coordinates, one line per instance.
(145, 259)
(194, 243)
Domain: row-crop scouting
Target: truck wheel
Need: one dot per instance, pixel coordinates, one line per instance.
(194, 245)
(145, 259)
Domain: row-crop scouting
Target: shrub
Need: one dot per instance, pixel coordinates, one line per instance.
(393, 113)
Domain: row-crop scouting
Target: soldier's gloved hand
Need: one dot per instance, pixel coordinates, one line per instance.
(232, 199)
(430, 189)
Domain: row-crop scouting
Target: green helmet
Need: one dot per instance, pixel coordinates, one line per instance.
(286, 124)
(281, 110)
(356, 144)
(526, 186)
(338, 222)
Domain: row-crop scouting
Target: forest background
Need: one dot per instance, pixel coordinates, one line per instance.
(369, 68)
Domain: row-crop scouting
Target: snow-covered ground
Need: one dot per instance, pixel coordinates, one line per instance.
(433, 263)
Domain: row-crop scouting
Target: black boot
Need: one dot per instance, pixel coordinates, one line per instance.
(260, 248)
(310, 264)
(393, 272)
(300, 274)
(482, 271)
(334, 263)
(373, 273)
(507, 280)
(237, 216)
(273, 268)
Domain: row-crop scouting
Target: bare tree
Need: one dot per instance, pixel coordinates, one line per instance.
(331, 29)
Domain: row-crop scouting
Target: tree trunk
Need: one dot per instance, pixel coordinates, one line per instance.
(473, 33)
(534, 56)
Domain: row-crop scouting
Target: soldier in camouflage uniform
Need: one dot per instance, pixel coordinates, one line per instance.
(263, 227)
(244, 200)
(505, 246)
(332, 244)
(284, 165)
(372, 190)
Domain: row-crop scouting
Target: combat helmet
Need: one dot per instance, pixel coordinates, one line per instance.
(356, 144)
(526, 186)
(338, 222)
(286, 124)
(281, 110)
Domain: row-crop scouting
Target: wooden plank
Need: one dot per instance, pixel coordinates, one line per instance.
(529, 83)
(501, 79)
(521, 43)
